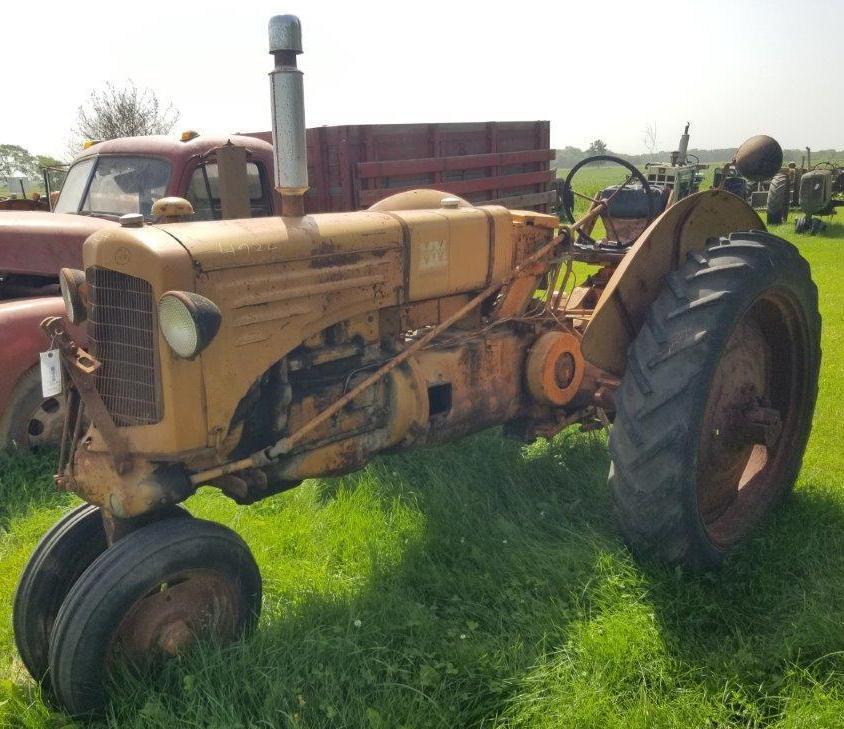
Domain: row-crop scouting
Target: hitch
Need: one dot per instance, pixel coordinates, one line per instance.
(82, 367)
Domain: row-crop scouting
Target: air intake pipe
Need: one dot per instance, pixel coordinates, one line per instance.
(288, 110)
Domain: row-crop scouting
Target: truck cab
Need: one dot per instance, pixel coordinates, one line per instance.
(128, 175)
(106, 181)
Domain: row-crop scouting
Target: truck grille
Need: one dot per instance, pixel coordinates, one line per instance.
(121, 331)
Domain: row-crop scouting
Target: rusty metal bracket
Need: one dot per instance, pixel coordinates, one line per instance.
(81, 368)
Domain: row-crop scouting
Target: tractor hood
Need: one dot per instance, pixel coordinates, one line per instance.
(40, 243)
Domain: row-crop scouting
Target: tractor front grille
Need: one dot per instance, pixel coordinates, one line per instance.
(122, 335)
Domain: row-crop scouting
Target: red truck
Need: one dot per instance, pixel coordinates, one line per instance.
(350, 167)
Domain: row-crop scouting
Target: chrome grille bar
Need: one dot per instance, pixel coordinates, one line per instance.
(122, 335)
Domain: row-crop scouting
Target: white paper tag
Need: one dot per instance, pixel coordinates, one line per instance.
(51, 373)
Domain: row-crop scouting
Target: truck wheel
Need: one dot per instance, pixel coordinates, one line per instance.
(61, 556)
(30, 420)
(715, 407)
(778, 199)
(150, 596)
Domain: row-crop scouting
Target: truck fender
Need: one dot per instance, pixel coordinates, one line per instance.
(23, 339)
(683, 228)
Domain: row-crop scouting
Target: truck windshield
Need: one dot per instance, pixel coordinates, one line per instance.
(114, 186)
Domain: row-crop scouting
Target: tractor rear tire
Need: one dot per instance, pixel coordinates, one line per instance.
(730, 348)
(778, 195)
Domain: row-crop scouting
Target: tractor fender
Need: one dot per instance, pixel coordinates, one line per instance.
(23, 339)
(685, 227)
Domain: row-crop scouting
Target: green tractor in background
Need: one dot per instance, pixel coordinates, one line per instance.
(775, 196)
(682, 176)
(819, 194)
(815, 189)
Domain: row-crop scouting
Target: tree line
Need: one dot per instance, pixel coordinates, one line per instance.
(567, 157)
(116, 110)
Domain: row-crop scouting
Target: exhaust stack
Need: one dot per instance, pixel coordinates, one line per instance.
(288, 110)
(683, 149)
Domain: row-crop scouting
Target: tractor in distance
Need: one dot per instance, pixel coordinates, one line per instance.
(252, 354)
(21, 196)
(782, 192)
(818, 192)
(682, 177)
(773, 195)
(815, 189)
(635, 203)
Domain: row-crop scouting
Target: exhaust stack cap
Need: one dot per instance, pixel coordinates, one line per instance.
(290, 150)
(285, 34)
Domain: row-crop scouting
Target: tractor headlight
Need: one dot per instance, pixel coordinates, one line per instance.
(71, 282)
(188, 322)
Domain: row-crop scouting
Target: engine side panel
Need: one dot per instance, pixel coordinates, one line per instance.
(281, 281)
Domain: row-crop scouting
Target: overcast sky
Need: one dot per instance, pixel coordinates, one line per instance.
(601, 69)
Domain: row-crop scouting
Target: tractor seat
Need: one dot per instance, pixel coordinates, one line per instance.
(632, 202)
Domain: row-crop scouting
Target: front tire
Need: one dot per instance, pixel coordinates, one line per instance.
(147, 597)
(61, 556)
(729, 354)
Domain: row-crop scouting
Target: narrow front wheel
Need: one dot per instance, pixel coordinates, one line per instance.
(61, 556)
(152, 595)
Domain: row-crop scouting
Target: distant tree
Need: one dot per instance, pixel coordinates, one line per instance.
(15, 161)
(45, 160)
(568, 157)
(597, 147)
(123, 111)
(649, 138)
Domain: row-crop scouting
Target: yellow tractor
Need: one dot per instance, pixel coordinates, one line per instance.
(252, 354)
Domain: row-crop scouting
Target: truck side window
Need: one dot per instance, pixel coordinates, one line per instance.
(204, 192)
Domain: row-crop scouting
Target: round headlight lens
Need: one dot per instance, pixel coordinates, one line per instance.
(70, 283)
(188, 322)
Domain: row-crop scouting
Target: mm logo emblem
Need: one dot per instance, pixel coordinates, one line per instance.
(433, 255)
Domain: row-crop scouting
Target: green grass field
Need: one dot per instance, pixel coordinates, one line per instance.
(484, 585)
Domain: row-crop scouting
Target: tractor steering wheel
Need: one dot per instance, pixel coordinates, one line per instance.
(568, 194)
(824, 166)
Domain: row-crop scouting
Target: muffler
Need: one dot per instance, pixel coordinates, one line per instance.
(288, 110)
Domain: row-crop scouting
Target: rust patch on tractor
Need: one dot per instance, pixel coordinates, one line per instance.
(326, 255)
(167, 620)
